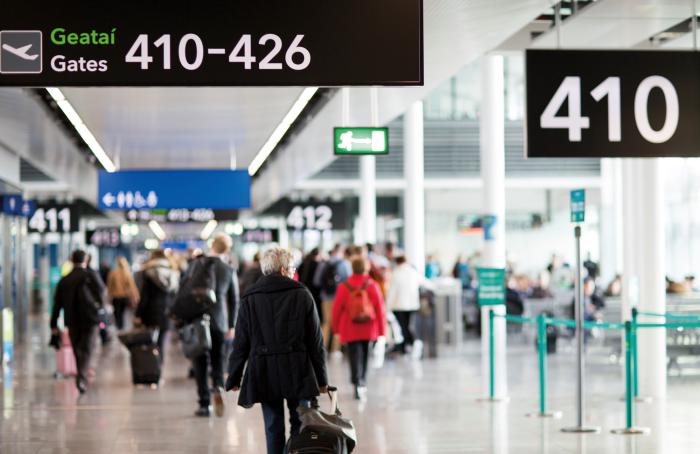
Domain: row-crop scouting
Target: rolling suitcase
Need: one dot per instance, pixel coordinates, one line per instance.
(145, 365)
(316, 442)
(323, 433)
(65, 358)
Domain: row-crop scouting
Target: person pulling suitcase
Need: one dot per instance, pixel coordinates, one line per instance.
(278, 351)
(79, 295)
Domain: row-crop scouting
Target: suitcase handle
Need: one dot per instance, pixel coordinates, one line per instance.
(333, 395)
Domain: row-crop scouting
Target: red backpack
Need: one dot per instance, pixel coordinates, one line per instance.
(359, 304)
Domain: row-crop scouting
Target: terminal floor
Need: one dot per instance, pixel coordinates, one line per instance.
(413, 407)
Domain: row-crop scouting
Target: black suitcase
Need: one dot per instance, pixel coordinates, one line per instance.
(323, 433)
(314, 442)
(145, 365)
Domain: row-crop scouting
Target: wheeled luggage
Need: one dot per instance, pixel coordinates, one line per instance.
(65, 358)
(316, 442)
(145, 364)
(323, 433)
(138, 336)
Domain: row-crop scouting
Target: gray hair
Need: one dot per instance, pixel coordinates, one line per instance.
(275, 260)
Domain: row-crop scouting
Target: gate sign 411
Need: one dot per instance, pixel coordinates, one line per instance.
(612, 103)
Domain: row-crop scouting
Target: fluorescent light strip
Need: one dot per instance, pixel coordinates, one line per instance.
(281, 129)
(157, 229)
(81, 128)
(208, 229)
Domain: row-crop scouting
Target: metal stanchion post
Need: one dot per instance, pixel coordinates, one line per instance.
(492, 364)
(542, 355)
(635, 359)
(629, 428)
(492, 377)
(580, 382)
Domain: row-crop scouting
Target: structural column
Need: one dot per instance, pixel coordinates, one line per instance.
(414, 194)
(368, 200)
(651, 249)
(611, 250)
(492, 141)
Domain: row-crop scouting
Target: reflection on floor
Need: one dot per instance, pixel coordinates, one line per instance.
(413, 407)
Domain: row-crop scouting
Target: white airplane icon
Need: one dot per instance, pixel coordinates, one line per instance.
(21, 52)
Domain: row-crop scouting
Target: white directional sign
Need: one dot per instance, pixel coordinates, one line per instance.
(129, 200)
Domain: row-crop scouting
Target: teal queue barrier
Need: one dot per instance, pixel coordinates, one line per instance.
(631, 356)
(542, 322)
(635, 347)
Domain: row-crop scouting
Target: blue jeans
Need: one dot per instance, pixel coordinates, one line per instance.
(273, 414)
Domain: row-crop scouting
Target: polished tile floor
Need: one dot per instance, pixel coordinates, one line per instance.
(413, 407)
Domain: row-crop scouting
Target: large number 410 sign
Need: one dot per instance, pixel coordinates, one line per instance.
(570, 92)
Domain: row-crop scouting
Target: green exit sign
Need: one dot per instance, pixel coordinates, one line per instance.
(359, 141)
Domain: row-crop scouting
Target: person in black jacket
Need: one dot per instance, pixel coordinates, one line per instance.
(79, 295)
(279, 344)
(307, 272)
(222, 319)
(159, 282)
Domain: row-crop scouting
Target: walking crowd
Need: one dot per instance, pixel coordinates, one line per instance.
(267, 338)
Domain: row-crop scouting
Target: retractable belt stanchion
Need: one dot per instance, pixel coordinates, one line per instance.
(635, 359)
(629, 428)
(580, 379)
(542, 357)
(492, 364)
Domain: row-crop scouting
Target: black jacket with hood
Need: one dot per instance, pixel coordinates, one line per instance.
(158, 284)
(278, 335)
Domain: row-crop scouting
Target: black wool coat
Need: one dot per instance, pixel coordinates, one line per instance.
(278, 337)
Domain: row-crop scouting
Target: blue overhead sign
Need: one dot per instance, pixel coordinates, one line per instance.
(12, 204)
(148, 189)
(15, 205)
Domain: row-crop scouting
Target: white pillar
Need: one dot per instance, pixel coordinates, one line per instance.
(652, 271)
(610, 220)
(492, 141)
(368, 200)
(414, 194)
(630, 276)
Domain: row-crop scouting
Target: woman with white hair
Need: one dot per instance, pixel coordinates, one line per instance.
(278, 336)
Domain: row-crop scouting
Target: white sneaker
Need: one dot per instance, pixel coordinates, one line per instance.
(219, 408)
(417, 352)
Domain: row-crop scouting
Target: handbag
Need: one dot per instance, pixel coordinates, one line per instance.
(313, 419)
(196, 337)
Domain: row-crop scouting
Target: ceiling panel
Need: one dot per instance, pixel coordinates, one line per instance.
(456, 32)
(182, 127)
(610, 24)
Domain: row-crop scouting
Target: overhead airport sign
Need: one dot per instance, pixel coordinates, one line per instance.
(612, 103)
(15, 205)
(361, 141)
(212, 43)
(104, 237)
(52, 217)
(190, 189)
(181, 215)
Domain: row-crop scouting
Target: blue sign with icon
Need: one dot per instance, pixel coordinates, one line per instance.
(15, 205)
(171, 189)
(12, 204)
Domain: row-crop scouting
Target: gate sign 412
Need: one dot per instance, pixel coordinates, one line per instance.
(612, 103)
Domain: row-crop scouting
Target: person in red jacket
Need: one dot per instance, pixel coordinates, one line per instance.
(359, 317)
